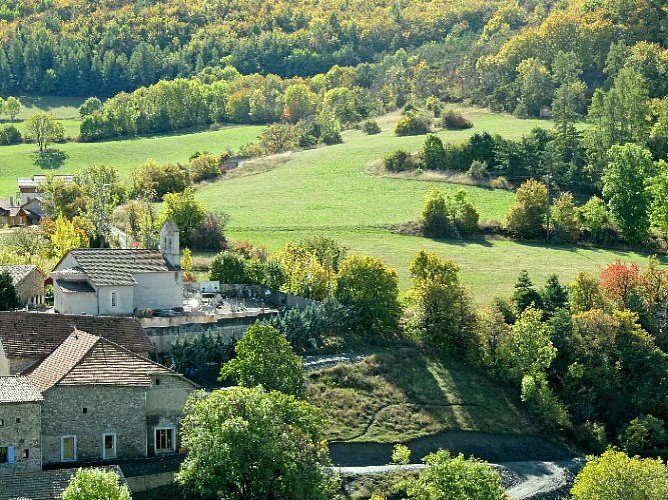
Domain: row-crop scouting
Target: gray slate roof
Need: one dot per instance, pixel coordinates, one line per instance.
(43, 485)
(14, 389)
(19, 271)
(113, 266)
(75, 286)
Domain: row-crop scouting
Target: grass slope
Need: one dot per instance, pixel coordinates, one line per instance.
(398, 396)
(124, 155)
(331, 191)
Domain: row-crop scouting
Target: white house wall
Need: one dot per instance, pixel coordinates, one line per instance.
(73, 303)
(125, 300)
(158, 290)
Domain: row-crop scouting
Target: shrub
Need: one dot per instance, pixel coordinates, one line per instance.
(399, 161)
(412, 124)
(203, 167)
(477, 170)
(210, 234)
(9, 134)
(371, 127)
(401, 454)
(454, 120)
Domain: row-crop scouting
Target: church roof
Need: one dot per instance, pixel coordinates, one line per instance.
(115, 266)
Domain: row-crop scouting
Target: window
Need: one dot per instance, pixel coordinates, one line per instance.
(18, 420)
(114, 299)
(3, 454)
(108, 446)
(85, 410)
(68, 448)
(157, 381)
(26, 453)
(2, 422)
(164, 440)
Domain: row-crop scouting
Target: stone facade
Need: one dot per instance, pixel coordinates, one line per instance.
(20, 431)
(88, 412)
(131, 414)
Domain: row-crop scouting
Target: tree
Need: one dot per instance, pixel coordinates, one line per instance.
(266, 358)
(90, 106)
(248, 444)
(103, 191)
(565, 218)
(185, 211)
(595, 217)
(227, 267)
(585, 293)
(94, 484)
(526, 217)
(433, 153)
(457, 477)
(8, 298)
(525, 294)
(44, 129)
(12, 107)
(210, 233)
(443, 311)
(624, 186)
(658, 188)
(436, 220)
(554, 296)
(300, 102)
(616, 476)
(370, 289)
(67, 236)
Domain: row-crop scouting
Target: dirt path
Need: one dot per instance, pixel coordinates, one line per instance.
(526, 480)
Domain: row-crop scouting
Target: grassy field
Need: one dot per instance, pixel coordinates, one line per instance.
(401, 395)
(332, 191)
(124, 155)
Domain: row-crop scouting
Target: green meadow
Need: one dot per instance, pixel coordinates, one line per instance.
(332, 191)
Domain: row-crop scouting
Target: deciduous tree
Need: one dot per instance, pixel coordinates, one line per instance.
(93, 484)
(265, 357)
(248, 444)
(44, 129)
(185, 211)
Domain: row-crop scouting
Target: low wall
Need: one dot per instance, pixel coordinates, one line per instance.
(138, 484)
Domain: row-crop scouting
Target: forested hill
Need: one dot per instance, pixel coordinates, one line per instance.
(500, 53)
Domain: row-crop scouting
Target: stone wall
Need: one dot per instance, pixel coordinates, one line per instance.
(165, 400)
(90, 411)
(30, 289)
(22, 435)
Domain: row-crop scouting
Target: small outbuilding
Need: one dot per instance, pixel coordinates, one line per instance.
(29, 283)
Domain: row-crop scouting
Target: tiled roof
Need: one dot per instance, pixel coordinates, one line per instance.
(42, 485)
(115, 266)
(19, 271)
(85, 359)
(75, 286)
(18, 390)
(7, 205)
(36, 335)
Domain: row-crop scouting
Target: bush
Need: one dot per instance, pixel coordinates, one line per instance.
(210, 234)
(412, 124)
(454, 120)
(203, 167)
(9, 134)
(477, 170)
(157, 180)
(371, 127)
(399, 161)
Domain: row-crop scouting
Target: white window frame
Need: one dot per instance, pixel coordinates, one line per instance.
(155, 439)
(104, 448)
(62, 448)
(114, 298)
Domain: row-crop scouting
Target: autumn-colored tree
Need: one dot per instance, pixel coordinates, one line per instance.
(619, 282)
(585, 293)
(527, 216)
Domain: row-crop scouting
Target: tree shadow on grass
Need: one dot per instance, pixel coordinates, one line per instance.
(50, 159)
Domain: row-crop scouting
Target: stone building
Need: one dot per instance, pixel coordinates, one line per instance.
(103, 402)
(29, 283)
(116, 281)
(20, 426)
(28, 338)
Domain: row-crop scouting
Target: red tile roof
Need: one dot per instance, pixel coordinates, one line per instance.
(85, 359)
(36, 335)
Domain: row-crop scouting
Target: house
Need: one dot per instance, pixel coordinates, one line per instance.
(29, 186)
(28, 338)
(13, 214)
(104, 402)
(20, 426)
(29, 283)
(120, 281)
